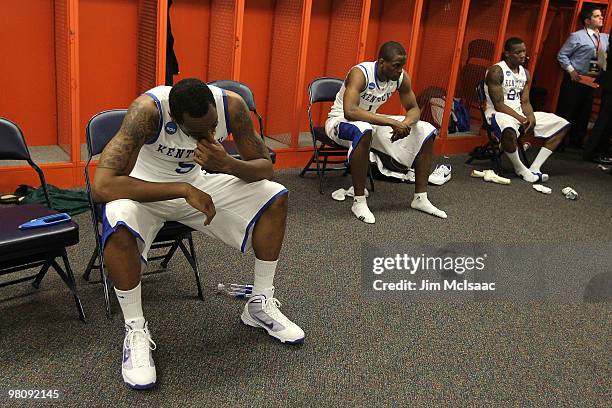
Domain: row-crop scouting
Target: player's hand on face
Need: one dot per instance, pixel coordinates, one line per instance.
(575, 75)
(211, 155)
(201, 202)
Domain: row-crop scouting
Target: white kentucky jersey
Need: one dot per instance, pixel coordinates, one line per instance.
(512, 85)
(168, 155)
(373, 96)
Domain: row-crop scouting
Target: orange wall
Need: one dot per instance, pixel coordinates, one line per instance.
(191, 29)
(522, 21)
(107, 56)
(390, 20)
(257, 49)
(27, 71)
(283, 67)
(317, 53)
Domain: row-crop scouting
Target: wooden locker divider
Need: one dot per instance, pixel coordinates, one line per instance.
(300, 87)
(450, 90)
(547, 72)
(415, 37)
(501, 36)
(537, 47)
(152, 24)
(332, 24)
(441, 23)
(522, 20)
(478, 54)
(282, 87)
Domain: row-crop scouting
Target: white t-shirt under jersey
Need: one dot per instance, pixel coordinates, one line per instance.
(168, 156)
(512, 85)
(373, 96)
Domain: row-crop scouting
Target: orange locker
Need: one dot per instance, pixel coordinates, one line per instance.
(478, 53)
(35, 73)
(70, 59)
(389, 20)
(333, 45)
(439, 27)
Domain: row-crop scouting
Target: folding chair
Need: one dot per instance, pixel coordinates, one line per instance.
(31, 248)
(100, 130)
(245, 92)
(323, 90)
(491, 150)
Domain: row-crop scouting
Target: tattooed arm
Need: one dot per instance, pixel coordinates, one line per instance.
(255, 164)
(112, 180)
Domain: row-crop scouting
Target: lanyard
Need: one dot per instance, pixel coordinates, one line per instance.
(596, 45)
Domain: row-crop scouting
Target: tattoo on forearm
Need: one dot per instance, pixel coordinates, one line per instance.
(138, 125)
(251, 146)
(494, 81)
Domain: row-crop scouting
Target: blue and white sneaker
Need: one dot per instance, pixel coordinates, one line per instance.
(262, 311)
(138, 368)
(542, 177)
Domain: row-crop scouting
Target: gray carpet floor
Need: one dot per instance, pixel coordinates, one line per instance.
(359, 351)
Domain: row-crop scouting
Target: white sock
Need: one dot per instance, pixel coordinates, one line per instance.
(361, 210)
(520, 169)
(542, 156)
(131, 306)
(264, 276)
(421, 202)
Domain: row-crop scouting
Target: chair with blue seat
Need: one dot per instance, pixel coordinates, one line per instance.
(323, 90)
(245, 92)
(100, 130)
(37, 247)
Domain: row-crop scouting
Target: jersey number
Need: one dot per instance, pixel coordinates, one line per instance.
(184, 167)
(512, 95)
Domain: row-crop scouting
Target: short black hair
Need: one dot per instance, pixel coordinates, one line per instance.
(191, 96)
(587, 12)
(390, 49)
(511, 42)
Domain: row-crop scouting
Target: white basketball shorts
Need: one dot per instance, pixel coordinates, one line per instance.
(547, 124)
(238, 206)
(348, 134)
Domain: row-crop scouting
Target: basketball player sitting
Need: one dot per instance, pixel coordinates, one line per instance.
(509, 111)
(354, 123)
(152, 172)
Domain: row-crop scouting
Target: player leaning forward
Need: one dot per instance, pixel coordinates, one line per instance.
(152, 172)
(509, 111)
(354, 123)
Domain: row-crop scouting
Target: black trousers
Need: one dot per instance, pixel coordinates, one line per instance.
(575, 105)
(599, 141)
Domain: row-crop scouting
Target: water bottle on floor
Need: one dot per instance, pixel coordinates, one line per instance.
(235, 290)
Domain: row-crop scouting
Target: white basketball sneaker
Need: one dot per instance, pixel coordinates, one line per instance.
(138, 368)
(262, 311)
(440, 175)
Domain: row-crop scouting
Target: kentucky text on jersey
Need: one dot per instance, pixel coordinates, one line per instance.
(174, 152)
(374, 98)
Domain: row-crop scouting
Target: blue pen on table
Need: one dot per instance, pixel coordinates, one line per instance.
(45, 221)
